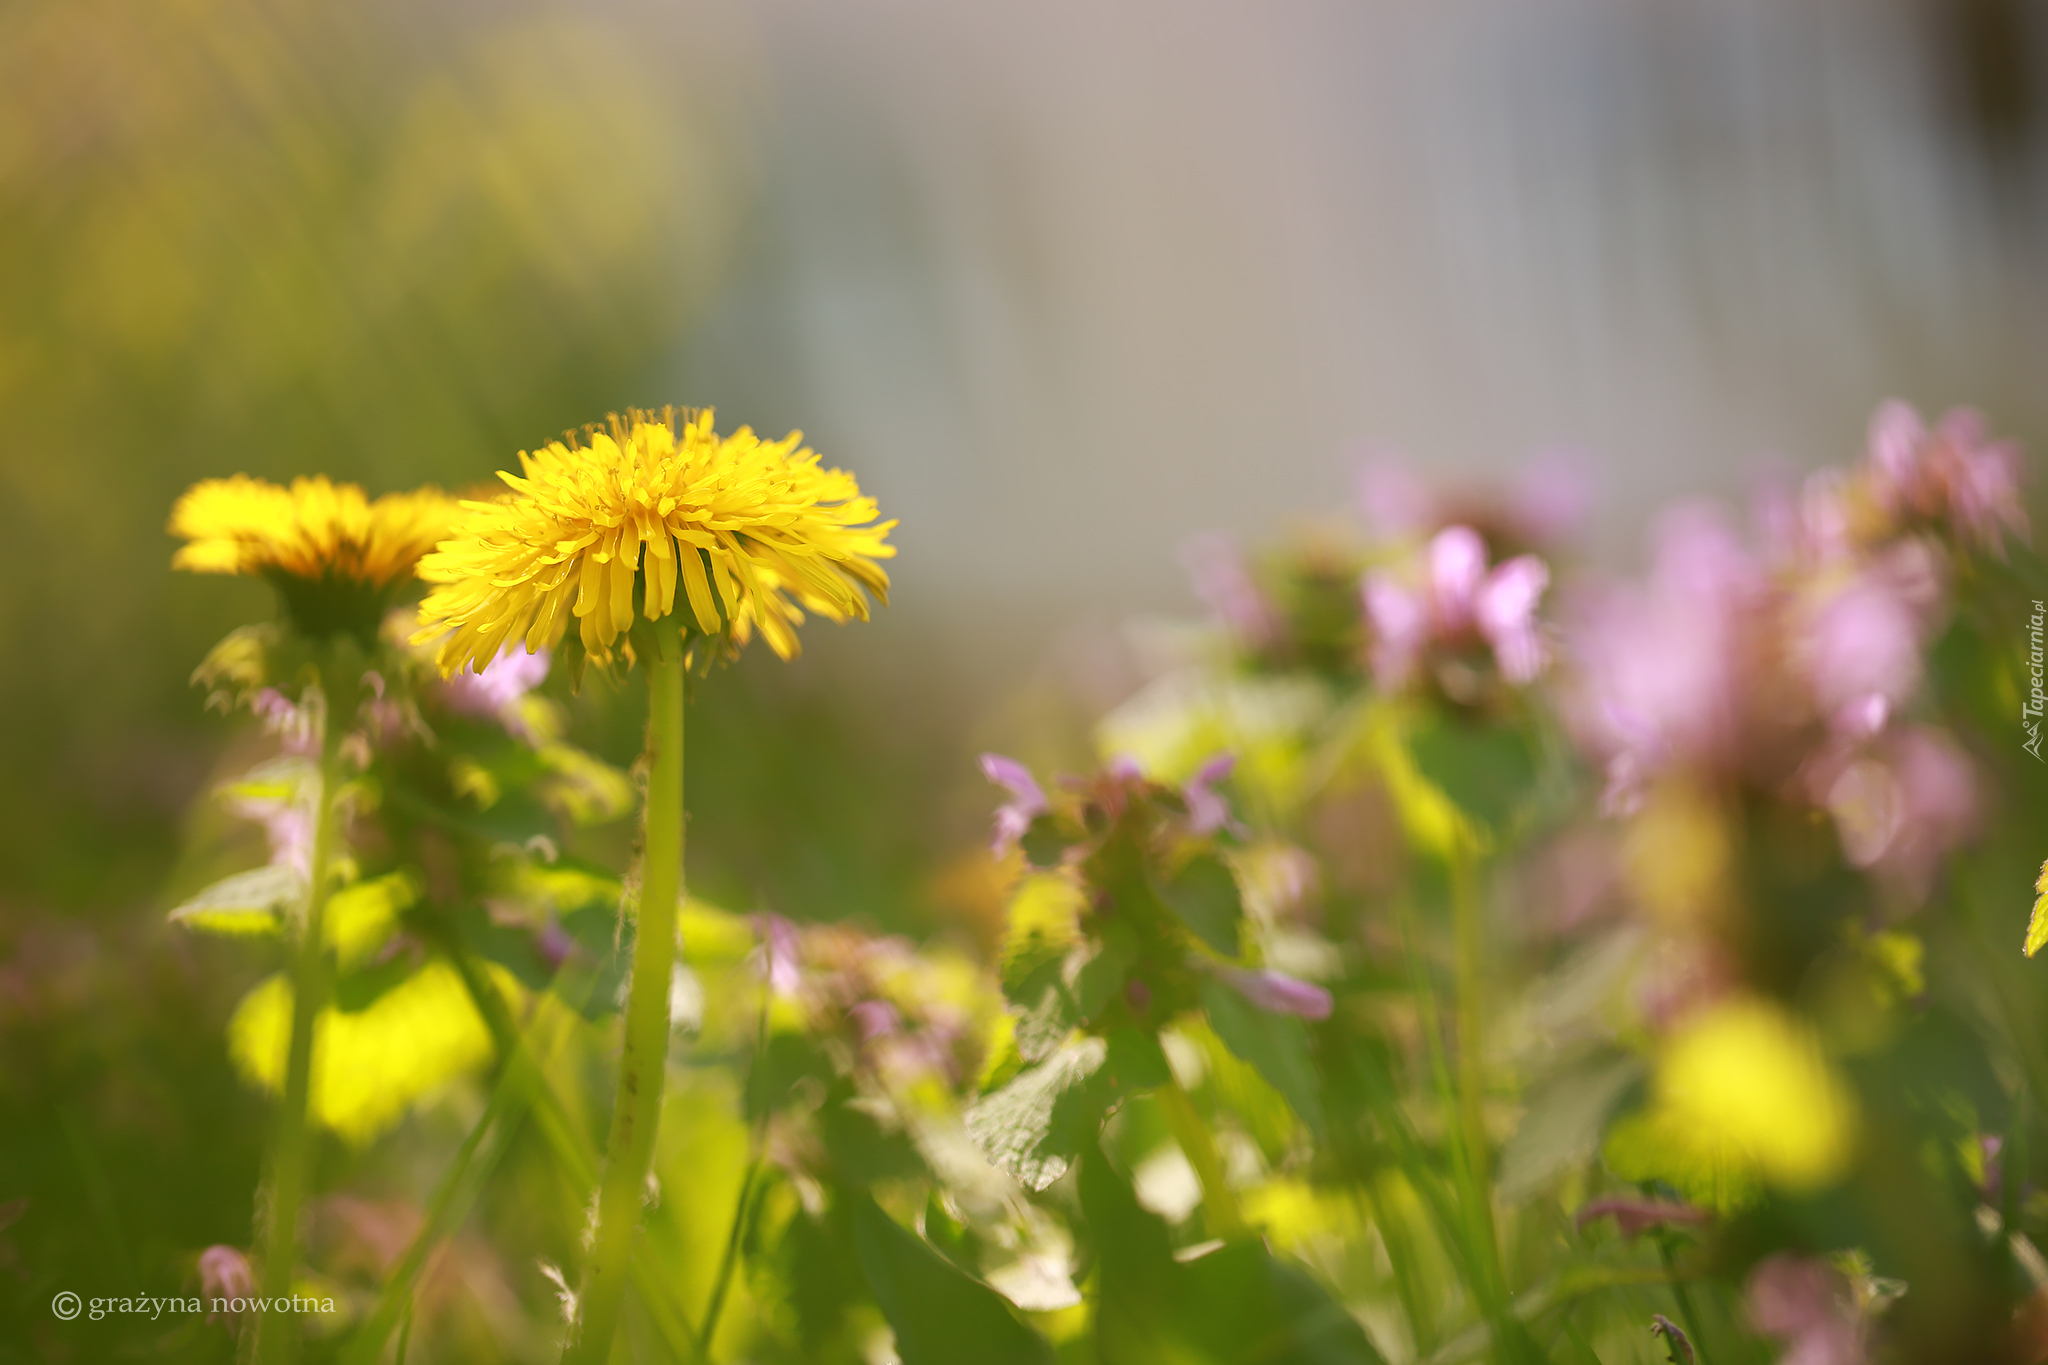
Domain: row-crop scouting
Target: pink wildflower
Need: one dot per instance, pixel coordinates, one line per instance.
(1207, 810)
(1459, 600)
(1634, 1215)
(1278, 993)
(1954, 473)
(224, 1273)
(1810, 1306)
(1027, 799)
(489, 695)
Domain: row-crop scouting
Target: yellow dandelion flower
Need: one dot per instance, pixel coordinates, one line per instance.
(336, 557)
(605, 527)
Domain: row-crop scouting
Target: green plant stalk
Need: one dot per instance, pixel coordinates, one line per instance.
(757, 1141)
(1469, 948)
(728, 1260)
(449, 1204)
(1688, 1315)
(1481, 1258)
(642, 1068)
(277, 1336)
(1219, 1201)
(1402, 1259)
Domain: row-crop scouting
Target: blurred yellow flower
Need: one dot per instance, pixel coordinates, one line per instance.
(335, 556)
(1743, 1097)
(743, 524)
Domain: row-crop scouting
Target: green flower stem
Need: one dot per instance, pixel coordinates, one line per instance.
(642, 1068)
(573, 1150)
(1688, 1317)
(1219, 1201)
(728, 1261)
(277, 1338)
(1469, 951)
(1475, 1227)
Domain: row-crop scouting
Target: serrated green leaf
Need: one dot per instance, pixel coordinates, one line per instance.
(1034, 1126)
(246, 903)
(1276, 1045)
(1046, 1015)
(1204, 896)
(941, 1315)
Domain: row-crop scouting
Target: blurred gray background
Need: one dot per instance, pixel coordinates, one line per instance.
(1069, 282)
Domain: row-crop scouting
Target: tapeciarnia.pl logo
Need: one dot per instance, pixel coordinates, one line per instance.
(2037, 699)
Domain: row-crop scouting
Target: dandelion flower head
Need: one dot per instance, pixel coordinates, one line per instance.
(336, 557)
(612, 525)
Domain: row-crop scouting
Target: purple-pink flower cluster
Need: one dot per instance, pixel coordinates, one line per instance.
(1792, 667)
(1459, 603)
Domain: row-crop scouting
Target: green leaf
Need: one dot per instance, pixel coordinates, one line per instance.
(1204, 896)
(1488, 771)
(821, 1276)
(941, 1315)
(1237, 1305)
(1562, 1125)
(863, 1151)
(1044, 844)
(2037, 928)
(1276, 1045)
(1100, 977)
(1034, 1126)
(1136, 1061)
(246, 903)
(359, 989)
(1047, 1015)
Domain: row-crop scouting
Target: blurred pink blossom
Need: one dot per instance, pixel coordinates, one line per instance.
(1810, 1306)
(510, 676)
(780, 954)
(1207, 810)
(1221, 578)
(287, 826)
(1277, 992)
(1636, 1214)
(1664, 667)
(874, 1019)
(1954, 473)
(1901, 802)
(1458, 600)
(1806, 530)
(224, 1273)
(296, 726)
(1027, 799)
(494, 694)
(1864, 637)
